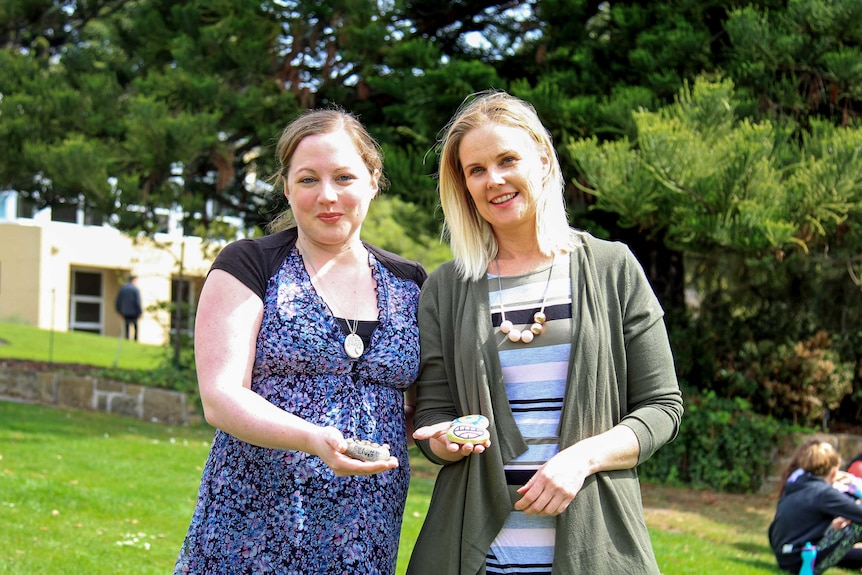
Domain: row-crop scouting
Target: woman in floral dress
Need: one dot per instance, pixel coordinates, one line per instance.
(306, 338)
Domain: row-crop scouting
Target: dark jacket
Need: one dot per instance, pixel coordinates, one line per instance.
(128, 303)
(804, 512)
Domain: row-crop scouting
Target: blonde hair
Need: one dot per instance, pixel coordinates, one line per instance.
(819, 458)
(815, 456)
(314, 123)
(470, 236)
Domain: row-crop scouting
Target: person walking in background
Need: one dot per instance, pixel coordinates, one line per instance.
(128, 305)
(304, 339)
(811, 509)
(558, 340)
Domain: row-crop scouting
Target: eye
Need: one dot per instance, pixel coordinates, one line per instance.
(475, 170)
(307, 180)
(509, 160)
(344, 178)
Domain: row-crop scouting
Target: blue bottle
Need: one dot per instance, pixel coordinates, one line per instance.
(809, 554)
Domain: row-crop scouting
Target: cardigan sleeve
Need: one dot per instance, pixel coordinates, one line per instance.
(654, 399)
(434, 400)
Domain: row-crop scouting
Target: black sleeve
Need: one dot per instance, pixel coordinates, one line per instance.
(245, 260)
(254, 261)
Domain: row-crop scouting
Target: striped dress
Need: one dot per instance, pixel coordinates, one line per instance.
(535, 378)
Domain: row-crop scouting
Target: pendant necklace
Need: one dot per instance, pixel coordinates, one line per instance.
(353, 345)
(507, 327)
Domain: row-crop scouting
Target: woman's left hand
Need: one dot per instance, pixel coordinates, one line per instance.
(553, 487)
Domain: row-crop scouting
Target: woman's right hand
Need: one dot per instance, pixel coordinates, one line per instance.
(329, 444)
(442, 447)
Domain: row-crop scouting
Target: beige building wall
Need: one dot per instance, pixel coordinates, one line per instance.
(20, 272)
(41, 261)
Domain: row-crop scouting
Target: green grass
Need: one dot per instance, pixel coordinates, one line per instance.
(26, 342)
(84, 492)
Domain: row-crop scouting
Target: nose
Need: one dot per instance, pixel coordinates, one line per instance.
(328, 194)
(495, 177)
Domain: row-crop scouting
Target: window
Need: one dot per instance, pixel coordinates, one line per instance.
(86, 302)
(26, 208)
(66, 211)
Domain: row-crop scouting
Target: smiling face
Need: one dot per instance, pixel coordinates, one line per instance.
(329, 188)
(503, 170)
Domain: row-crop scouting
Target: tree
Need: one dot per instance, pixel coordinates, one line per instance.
(763, 220)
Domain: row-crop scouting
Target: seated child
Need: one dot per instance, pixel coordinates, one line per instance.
(811, 509)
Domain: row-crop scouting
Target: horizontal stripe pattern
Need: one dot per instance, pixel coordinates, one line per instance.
(534, 375)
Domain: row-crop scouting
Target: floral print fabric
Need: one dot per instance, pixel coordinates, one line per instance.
(274, 511)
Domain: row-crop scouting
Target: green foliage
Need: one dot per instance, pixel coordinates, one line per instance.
(392, 225)
(696, 174)
(745, 309)
(163, 104)
(802, 61)
(722, 445)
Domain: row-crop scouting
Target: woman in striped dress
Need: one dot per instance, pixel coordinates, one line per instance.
(558, 340)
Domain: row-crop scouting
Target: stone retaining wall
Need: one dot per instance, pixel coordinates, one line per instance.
(86, 392)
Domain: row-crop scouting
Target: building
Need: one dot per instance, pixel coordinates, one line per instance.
(61, 269)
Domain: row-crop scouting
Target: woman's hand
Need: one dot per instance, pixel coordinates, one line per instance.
(445, 449)
(329, 445)
(553, 487)
(840, 523)
(556, 483)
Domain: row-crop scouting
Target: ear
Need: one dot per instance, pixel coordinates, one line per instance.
(375, 182)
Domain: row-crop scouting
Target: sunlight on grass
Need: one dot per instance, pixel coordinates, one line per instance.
(26, 342)
(85, 492)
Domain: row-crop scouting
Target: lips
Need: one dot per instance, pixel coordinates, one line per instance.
(503, 199)
(329, 217)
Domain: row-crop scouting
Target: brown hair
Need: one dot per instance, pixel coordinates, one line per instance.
(313, 123)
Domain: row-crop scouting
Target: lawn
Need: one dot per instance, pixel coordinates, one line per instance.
(76, 347)
(84, 492)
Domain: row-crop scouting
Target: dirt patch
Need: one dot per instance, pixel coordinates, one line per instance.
(663, 504)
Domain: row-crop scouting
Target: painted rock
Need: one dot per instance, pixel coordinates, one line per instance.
(469, 429)
(366, 450)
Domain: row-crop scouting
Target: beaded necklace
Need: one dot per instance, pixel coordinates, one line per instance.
(508, 328)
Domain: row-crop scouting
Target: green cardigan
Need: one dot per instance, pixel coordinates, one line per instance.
(621, 371)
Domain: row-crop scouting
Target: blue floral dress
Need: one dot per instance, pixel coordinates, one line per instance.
(274, 511)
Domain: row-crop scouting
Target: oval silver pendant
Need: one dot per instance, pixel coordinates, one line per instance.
(353, 345)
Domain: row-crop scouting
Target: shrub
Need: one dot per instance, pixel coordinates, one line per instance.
(722, 445)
